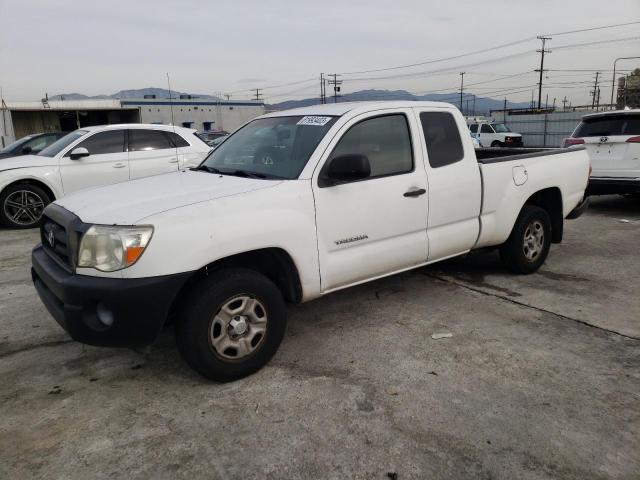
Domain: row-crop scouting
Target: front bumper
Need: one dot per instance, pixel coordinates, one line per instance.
(612, 185)
(136, 308)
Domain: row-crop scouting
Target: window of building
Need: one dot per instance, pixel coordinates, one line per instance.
(442, 137)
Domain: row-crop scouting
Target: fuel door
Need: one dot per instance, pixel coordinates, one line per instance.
(520, 175)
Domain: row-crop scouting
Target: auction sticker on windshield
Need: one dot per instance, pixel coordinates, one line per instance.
(316, 121)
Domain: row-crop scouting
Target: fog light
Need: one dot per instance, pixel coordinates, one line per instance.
(104, 315)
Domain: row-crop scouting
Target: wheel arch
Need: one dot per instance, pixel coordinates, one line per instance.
(274, 263)
(32, 181)
(550, 200)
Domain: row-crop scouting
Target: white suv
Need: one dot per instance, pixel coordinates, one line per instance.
(495, 135)
(613, 142)
(91, 157)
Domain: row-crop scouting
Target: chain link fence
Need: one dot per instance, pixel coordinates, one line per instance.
(542, 129)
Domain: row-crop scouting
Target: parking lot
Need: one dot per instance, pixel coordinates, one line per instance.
(540, 378)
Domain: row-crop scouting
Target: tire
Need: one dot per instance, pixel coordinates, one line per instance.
(22, 204)
(527, 247)
(496, 144)
(207, 335)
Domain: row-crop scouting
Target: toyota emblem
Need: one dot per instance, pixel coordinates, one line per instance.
(604, 139)
(51, 238)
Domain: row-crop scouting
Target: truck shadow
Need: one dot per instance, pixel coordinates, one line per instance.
(615, 205)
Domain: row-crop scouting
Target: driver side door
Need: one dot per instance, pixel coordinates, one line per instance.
(106, 163)
(377, 225)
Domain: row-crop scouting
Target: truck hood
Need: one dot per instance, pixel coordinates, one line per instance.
(129, 202)
(26, 161)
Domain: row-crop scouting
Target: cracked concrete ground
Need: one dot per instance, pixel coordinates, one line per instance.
(540, 380)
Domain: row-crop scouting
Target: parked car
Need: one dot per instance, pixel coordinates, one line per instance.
(613, 142)
(495, 135)
(350, 193)
(91, 157)
(31, 144)
(210, 137)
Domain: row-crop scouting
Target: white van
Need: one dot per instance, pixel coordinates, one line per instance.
(495, 135)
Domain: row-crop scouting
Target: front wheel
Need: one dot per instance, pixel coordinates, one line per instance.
(527, 247)
(233, 323)
(22, 204)
(496, 144)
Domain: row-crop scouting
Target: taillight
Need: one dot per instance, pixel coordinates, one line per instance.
(633, 140)
(570, 142)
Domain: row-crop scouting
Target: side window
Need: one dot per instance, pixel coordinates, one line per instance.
(177, 140)
(104, 142)
(486, 128)
(473, 128)
(384, 140)
(143, 140)
(38, 143)
(442, 137)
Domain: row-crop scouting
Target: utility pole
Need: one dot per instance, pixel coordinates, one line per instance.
(323, 98)
(554, 103)
(336, 85)
(598, 100)
(474, 105)
(542, 51)
(461, 87)
(546, 101)
(257, 99)
(564, 103)
(595, 91)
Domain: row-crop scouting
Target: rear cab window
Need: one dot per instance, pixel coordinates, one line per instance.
(442, 138)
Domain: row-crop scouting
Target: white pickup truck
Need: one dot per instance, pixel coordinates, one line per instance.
(294, 205)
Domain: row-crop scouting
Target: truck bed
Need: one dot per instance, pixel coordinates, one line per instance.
(506, 179)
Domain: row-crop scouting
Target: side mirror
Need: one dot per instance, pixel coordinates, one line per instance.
(78, 153)
(345, 168)
(26, 150)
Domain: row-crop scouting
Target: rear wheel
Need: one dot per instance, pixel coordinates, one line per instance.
(527, 247)
(22, 204)
(233, 323)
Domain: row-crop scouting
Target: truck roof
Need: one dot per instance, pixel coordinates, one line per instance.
(339, 109)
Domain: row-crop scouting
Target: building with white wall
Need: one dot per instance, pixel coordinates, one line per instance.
(18, 119)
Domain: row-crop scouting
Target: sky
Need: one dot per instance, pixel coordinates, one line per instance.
(213, 47)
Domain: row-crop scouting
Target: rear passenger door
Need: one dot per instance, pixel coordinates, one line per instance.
(106, 164)
(374, 226)
(455, 190)
(151, 152)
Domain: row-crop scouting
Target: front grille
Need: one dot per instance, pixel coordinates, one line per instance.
(55, 241)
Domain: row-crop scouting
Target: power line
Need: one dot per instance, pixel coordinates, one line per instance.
(593, 28)
(484, 50)
(598, 42)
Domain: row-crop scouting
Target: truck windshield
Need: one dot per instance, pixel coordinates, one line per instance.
(501, 128)
(277, 147)
(56, 147)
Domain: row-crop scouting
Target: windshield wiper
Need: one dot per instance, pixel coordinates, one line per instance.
(244, 173)
(206, 168)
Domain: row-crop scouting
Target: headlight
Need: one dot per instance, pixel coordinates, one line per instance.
(113, 248)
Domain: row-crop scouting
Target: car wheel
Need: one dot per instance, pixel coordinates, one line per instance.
(22, 204)
(496, 144)
(527, 247)
(233, 323)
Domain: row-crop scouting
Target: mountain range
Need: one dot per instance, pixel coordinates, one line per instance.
(482, 104)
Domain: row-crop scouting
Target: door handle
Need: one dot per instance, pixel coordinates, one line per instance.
(120, 165)
(415, 193)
